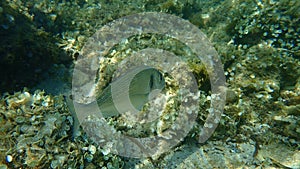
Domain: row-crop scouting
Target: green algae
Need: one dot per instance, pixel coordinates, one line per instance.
(43, 140)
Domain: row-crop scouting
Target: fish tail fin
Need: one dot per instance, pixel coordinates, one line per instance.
(70, 105)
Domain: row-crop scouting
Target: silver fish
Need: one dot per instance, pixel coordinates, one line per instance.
(142, 84)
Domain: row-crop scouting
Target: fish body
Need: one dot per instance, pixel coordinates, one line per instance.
(131, 91)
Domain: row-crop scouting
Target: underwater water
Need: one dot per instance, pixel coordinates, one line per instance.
(200, 51)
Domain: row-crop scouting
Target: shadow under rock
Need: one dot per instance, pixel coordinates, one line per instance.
(26, 52)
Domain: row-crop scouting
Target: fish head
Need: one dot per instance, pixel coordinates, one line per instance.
(147, 81)
(145, 85)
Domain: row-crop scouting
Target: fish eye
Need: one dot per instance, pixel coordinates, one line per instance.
(160, 77)
(151, 82)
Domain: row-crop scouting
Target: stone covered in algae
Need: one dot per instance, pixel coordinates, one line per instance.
(36, 132)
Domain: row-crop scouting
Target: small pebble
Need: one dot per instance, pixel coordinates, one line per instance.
(9, 158)
(231, 96)
(92, 149)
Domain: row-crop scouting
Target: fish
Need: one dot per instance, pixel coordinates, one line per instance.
(131, 91)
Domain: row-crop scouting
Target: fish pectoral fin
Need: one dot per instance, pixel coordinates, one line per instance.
(138, 101)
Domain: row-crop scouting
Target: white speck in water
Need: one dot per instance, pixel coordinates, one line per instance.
(9, 158)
